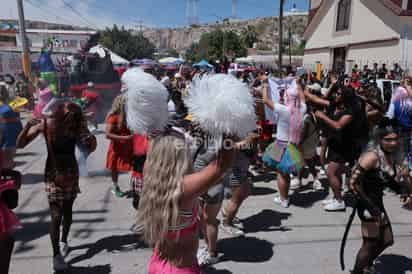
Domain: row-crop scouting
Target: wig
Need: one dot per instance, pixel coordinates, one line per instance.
(296, 117)
(220, 104)
(168, 161)
(146, 102)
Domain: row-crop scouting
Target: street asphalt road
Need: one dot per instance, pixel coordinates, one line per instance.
(300, 239)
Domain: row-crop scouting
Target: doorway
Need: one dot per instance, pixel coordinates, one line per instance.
(339, 58)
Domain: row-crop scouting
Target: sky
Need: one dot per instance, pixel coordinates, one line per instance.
(153, 13)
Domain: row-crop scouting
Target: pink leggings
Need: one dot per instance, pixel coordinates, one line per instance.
(161, 266)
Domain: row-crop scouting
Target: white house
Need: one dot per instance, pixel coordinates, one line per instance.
(342, 33)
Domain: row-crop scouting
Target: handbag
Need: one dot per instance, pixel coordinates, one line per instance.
(61, 179)
(10, 196)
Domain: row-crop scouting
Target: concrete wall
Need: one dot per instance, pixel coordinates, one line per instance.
(385, 52)
(323, 56)
(315, 3)
(370, 20)
(406, 42)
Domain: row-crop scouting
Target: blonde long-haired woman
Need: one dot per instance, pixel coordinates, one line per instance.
(169, 203)
(120, 152)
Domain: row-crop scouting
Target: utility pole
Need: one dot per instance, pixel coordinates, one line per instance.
(290, 46)
(281, 4)
(23, 38)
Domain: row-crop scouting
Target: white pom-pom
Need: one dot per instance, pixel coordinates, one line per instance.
(146, 102)
(221, 104)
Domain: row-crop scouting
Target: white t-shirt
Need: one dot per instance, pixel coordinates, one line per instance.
(283, 119)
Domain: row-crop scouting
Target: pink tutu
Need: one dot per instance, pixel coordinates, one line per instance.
(9, 222)
(159, 265)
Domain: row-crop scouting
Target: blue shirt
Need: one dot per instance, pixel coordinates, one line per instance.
(403, 112)
(10, 130)
(45, 62)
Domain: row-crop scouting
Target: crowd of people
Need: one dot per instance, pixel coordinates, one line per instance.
(341, 127)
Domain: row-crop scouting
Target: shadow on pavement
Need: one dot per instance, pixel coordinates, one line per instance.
(19, 163)
(98, 269)
(39, 227)
(266, 220)
(245, 249)
(23, 154)
(261, 191)
(263, 177)
(109, 244)
(33, 178)
(212, 270)
(394, 264)
(307, 199)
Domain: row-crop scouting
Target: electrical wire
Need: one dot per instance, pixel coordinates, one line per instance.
(78, 13)
(43, 9)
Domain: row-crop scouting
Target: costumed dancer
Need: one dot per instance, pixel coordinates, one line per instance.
(120, 152)
(140, 148)
(340, 141)
(10, 182)
(220, 91)
(240, 185)
(378, 168)
(47, 68)
(10, 128)
(283, 154)
(65, 127)
(45, 95)
(169, 207)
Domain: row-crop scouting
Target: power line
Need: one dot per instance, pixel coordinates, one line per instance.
(43, 9)
(78, 13)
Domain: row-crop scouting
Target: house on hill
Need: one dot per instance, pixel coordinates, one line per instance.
(341, 33)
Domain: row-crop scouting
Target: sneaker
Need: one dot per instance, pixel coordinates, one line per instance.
(282, 203)
(201, 254)
(231, 230)
(59, 264)
(317, 185)
(64, 249)
(116, 191)
(335, 206)
(327, 201)
(207, 260)
(295, 183)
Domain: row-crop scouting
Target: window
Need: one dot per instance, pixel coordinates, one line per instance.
(342, 22)
(410, 5)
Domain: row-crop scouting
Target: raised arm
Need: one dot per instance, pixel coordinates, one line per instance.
(265, 97)
(316, 99)
(30, 131)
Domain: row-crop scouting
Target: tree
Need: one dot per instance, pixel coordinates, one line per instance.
(216, 45)
(127, 45)
(249, 36)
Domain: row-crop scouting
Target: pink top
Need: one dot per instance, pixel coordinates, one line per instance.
(45, 96)
(9, 222)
